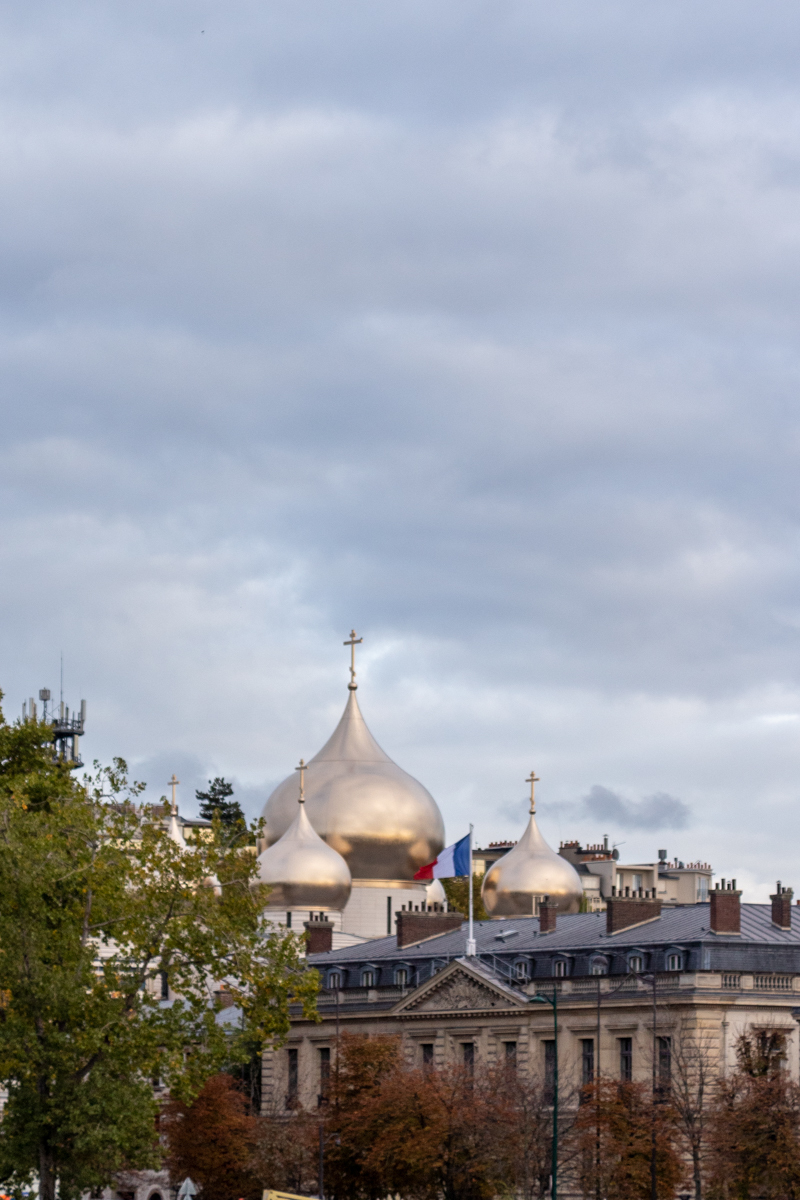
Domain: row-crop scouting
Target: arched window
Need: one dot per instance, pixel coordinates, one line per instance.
(635, 963)
(674, 962)
(521, 969)
(560, 968)
(599, 966)
(334, 980)
(368, 977)
(401, 977)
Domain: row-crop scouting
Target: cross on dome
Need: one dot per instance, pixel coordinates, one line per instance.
(532, 779)
(302, 769)
(352, 642)
(173, 783)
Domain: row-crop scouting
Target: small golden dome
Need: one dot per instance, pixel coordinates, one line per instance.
(528, 872)
(303, 871)
(383, 822)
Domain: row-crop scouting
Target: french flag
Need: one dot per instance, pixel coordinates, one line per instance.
(454, 860)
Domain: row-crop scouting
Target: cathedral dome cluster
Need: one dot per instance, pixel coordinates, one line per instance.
(364, 825)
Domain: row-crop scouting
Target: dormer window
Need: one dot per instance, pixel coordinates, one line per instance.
(401, 977)
(635, 963)
(674, 962)
(560, 968)
(368, 978)
(334, 981)
(521, 970)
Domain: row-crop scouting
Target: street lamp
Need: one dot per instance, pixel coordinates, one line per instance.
(541, 998)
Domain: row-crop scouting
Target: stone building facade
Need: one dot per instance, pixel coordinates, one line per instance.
(718, 969)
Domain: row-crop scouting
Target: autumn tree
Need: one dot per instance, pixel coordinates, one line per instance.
(693, 1076)
(613, 1137)
(285, 1153)
(99, 905)
(754, 1125)
(213, 1140)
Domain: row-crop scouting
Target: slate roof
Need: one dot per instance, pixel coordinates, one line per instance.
(761, 946)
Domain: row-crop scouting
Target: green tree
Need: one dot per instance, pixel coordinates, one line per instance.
(457, 892)
(98, 906)
(217, 800)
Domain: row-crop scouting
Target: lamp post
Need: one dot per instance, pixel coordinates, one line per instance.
(541, 998)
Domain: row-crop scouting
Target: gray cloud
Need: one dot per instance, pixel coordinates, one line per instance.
(659, 811)
(472, 326)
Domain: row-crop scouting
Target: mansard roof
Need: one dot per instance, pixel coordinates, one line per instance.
(681, 925)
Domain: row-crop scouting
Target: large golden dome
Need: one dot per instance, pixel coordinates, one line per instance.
(383, 822)
(528, 872)
(303, 871)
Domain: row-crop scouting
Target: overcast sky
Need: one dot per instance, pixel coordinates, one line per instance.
(471, 324)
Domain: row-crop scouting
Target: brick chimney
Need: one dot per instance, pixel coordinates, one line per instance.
(548, 911)
(319, 935)
(413, 927)
(726, 909)
(782, 907)
(623, 912)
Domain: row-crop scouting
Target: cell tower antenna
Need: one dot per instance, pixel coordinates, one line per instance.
(62, 677)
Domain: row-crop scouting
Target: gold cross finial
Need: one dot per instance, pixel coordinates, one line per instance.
(173, 784)
(532, 779)
(302, 769)
(352, 642)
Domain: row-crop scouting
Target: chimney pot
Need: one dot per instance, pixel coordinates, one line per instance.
(726, 909)
(413, 927)
(319, 935)
(548, 914)
(782, 907)
(622, 912)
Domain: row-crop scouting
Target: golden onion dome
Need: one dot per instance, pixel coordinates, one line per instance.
(530, 871)
(303, 871)
(383, 822)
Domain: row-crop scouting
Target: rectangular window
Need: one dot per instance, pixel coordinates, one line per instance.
(549, 1071)
(626, 1059)
(673, 962)
(291, 1091)
(511, 1055)
(388, 914)
(324, 1073)
(401, 977)
(637, 882)
(468, 1051)
(334, 981)
(521, 970)
(587, 1060)
(427, 1055)
(288, 920)
(164, 985)
(368, 979)
(598, 969)
(664, 1052)
(635, 963)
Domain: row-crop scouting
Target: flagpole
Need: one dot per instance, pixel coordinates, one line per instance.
(471, 938)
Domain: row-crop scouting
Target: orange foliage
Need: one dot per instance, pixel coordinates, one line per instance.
(212, 1141)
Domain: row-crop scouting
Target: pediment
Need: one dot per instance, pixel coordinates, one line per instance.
(461, 989)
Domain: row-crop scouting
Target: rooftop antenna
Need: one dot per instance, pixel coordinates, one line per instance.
(67, 730)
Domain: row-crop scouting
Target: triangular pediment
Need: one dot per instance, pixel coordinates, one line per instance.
(462, 987)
